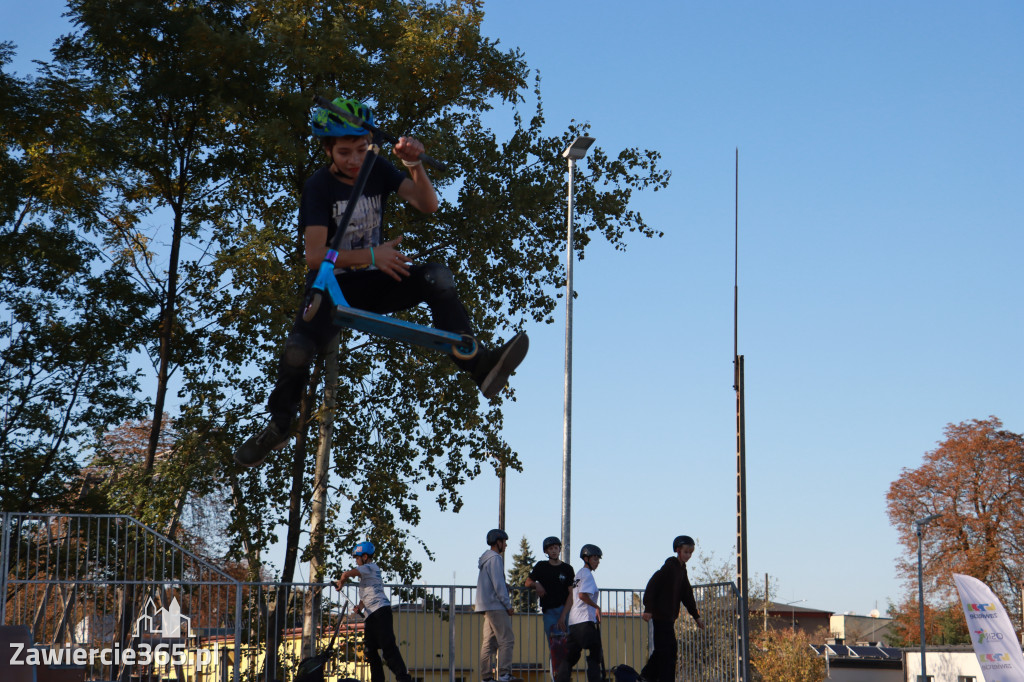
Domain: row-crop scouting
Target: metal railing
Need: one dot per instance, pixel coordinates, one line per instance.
(99, 591)
(85, 585)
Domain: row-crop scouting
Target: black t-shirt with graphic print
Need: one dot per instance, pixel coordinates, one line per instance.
(557, 581)
(324, 199)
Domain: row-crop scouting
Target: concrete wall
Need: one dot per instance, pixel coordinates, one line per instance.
(864, 675)
(425, 642)
(855, 629)
(943, 666)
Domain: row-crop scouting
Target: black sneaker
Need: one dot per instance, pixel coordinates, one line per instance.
(256, 448)
(498, 365)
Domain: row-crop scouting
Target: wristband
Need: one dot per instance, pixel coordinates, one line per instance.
(411, 164)
(373, 261)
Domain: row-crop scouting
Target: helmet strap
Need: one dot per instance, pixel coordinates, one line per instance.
(338, 172)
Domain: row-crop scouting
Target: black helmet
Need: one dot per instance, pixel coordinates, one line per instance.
(682, 540)
(551, 540)
(494, 535)
(590, 550)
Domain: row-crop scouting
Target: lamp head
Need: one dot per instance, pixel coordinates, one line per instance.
(578, 149)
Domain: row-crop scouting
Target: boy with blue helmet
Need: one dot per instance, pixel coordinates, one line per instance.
(374, 275)
(326, 124)
(378, 631)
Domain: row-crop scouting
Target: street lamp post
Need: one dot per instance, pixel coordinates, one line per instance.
(920, 523)
(574, 152)
(501, 497)
(792, 612)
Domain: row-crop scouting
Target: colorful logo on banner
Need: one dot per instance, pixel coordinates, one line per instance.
(995, 642)
(981, 608)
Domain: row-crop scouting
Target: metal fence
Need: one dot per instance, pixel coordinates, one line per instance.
(107, 594)
(118, 600)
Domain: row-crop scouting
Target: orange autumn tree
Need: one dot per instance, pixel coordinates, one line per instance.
(943, 624)
(785, 655)
(975, 480)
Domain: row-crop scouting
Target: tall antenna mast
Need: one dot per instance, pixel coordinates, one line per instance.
(736, 272)
(743, 617)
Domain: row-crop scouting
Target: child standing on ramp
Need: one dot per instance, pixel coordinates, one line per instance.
(378, 631)
(552, 580)
(373, 274)
(666, 590)
(584, 618)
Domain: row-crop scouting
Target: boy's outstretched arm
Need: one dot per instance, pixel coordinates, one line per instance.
(417, 188)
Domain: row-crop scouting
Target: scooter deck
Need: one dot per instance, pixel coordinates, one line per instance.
(449, 343)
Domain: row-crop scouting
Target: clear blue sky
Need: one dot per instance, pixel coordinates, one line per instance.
(881, 207)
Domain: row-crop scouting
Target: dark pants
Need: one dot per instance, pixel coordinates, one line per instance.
(583, 636)
(376, 292)
(379, 633)
(661, 666)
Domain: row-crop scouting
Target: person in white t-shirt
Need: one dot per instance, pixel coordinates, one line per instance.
(584, 617)
(378, 631)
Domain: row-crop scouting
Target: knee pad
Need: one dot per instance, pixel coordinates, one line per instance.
(299, 351)
(438, 278)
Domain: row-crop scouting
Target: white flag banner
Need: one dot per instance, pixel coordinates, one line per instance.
(995, 641)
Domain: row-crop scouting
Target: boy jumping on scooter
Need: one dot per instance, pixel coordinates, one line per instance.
(373, 274)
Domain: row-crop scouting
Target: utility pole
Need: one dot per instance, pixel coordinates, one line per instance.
(743, 617)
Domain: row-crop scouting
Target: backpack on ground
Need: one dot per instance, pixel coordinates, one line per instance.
(624, 673)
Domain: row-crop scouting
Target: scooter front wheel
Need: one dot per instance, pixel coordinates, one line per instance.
(467, 349)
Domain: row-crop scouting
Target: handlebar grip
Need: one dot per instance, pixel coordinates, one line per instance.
(437, 165)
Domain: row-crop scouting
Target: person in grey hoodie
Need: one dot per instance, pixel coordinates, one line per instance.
(493, 600)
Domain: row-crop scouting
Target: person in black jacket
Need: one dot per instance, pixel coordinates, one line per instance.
(666, 590)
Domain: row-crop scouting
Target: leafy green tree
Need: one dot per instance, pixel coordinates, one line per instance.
(406, 422)
(163, 78)
(198, 147)
(13, 104)
(524, 600)
(68, 316)
(66, 333)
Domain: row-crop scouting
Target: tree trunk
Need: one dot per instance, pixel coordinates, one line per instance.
(278, 614)
(318, 506)
(168, 317)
